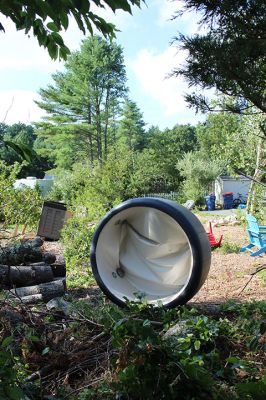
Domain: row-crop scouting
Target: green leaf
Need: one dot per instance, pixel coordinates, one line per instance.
(197, 345)
(63, 52)
(64, 20)
(21, 149)
(251, 390)
(34, 338)
(57, 38)
(146, 322)
(6, 342)
(45, 351)
(53, 50)
(53, 27)
(119, 4)
(14, 393)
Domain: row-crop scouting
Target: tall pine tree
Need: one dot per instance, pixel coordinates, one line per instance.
(83, 102)
(131, 127)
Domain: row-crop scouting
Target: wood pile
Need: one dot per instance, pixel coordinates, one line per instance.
(29, 275)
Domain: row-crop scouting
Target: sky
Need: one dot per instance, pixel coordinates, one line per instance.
(145, 38)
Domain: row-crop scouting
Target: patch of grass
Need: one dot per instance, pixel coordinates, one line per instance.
(229, 247)
(79, 276)
(262, 275)
(240, 274)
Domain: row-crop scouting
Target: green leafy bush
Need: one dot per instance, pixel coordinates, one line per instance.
(76, 238)
(198, 172)
(203, 358)
(9, 385)
(17, 206)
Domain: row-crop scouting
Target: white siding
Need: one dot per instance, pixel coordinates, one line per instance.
(235, 185)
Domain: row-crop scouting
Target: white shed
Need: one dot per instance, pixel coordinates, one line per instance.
(236, 185)
(44, 184)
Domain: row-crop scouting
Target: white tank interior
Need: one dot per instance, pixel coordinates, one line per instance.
(144, 251)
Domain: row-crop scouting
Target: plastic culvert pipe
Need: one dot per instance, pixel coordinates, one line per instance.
(153, 248)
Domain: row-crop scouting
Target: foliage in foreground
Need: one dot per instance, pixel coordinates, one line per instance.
(99, 351)
(233, 44)
(17, 206)
(45, 19)
(76, 237)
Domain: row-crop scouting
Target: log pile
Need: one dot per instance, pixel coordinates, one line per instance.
(29, 275)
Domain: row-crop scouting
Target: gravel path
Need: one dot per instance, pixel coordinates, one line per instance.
(229, 273)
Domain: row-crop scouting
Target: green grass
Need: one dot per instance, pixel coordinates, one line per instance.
(262, 275)
(229, 247)
(79, 276)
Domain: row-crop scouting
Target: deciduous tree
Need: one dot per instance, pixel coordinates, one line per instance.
(45, 19)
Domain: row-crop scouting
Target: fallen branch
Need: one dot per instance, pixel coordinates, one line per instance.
(259, 269)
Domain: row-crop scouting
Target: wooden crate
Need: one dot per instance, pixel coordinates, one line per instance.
(52, 219)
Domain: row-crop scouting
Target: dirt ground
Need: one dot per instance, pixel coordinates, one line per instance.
(230, 275)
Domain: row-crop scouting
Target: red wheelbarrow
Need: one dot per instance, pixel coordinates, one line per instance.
(213, 242)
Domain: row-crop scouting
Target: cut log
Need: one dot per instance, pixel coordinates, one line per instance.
(20, 254)
(25, 252)
(49, 258)
(59, 270)
(31, 299)
(35, 242)
(25, 275)
(36, 264)
(47, 290)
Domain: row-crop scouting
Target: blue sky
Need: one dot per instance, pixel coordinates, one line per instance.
(145, 38)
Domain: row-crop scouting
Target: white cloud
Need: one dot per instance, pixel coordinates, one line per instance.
(121, 19)
(18, 106)
(167, 9)
(20, 52)
(151, 70)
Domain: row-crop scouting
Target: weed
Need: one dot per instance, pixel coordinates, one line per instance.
(262, 275)
(229, 247)
(240, 274)
(140, 352)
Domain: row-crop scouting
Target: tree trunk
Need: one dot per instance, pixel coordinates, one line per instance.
(47, 290)
(90, 134)
(98, 131)
(106, 124)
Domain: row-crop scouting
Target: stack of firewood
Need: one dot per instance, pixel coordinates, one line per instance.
(29, 275)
